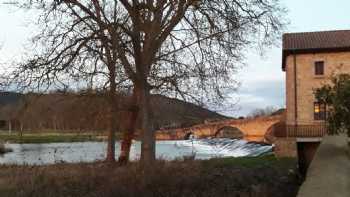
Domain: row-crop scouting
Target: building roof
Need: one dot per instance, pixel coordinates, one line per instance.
(315, 42)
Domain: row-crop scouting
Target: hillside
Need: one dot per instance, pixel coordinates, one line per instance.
(9, 98)
(72, 112)
(176, 113)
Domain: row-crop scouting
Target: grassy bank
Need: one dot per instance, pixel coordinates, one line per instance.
(248, 177)
(42, 137)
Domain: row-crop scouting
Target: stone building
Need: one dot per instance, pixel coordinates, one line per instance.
(309, 60)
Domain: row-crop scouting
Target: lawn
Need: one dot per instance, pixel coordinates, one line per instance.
(42, 137)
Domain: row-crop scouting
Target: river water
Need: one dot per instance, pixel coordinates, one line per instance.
(39, 154)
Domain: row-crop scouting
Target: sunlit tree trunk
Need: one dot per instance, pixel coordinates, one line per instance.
(129, 132)
(10, 126)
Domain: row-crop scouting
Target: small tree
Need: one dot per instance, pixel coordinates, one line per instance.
(337, 96)
(72, 48)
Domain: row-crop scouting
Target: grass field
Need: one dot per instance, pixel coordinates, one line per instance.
(43, 137)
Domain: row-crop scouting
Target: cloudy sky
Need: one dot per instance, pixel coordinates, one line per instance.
(262, 80)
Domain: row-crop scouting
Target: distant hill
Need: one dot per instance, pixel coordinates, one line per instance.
(279, 112)
(73, 112)
(177, 113)
(9, 98)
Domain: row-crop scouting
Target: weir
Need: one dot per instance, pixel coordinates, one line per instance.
(51, 153)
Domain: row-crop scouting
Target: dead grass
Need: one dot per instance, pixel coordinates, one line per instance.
(219, 177)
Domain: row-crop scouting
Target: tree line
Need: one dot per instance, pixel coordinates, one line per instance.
(86, 111)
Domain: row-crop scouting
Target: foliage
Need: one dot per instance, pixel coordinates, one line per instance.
(337, 96)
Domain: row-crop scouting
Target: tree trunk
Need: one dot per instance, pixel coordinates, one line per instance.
(10, 126)
(129, 132)
(113, 104)
(147, 136)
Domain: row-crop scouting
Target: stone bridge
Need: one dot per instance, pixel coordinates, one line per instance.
(253, 129)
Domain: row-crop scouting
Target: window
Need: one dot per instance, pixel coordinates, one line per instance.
(319, 68)
(320, 111)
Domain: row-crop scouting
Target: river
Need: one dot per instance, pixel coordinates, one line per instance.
(50, 153)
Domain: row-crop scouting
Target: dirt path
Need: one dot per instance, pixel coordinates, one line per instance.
(329, 172)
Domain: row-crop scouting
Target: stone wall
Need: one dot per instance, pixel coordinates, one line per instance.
(253, 129)
(286, 147)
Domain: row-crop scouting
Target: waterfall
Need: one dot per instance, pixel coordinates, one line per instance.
(222, 147)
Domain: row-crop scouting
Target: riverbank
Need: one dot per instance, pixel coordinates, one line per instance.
(50, 137)
(3, 149)
(251, 177)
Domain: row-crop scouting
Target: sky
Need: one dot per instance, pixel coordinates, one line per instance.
(262, 80)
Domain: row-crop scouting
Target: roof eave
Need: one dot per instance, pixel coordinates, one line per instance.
(287, 52)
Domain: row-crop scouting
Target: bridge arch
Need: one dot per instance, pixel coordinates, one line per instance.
(276, 130)
(229, 132)
(250, 129)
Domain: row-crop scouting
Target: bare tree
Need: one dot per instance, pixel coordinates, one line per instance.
(188, 48)
(181, 48)
(71, 49)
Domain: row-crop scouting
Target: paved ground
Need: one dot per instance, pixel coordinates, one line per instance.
(329, 172)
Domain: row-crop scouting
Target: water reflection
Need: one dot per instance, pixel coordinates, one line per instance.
(50, 153)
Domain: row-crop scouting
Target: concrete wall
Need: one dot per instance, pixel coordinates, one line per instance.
(328, 174)
(307, 82)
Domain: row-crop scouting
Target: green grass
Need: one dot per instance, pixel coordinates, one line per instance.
(35, 138)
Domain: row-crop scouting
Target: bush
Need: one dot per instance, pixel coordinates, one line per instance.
(336, 96)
